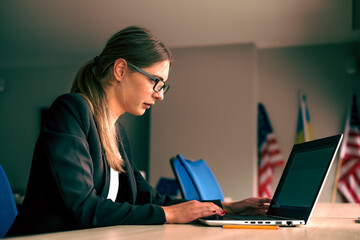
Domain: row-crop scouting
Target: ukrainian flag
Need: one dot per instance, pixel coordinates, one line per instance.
(303, 129)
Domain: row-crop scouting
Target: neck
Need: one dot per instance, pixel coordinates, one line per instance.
(115, 108)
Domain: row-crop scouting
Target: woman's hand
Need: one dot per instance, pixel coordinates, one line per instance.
(190, 211)
(249, 206)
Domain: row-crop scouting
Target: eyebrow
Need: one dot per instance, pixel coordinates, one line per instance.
(158, 77)
(155, 76)
(145, 72)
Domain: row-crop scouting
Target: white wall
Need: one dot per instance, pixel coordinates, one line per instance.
(318, 71)
(209, 113)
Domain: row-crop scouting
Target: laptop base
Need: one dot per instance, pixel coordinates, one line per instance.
(288, 223)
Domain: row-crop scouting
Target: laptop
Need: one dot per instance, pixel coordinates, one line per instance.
(299, 187)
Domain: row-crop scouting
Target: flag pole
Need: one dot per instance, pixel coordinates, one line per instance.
(333, 196)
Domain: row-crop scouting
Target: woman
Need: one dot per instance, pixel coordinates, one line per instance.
(82, 173)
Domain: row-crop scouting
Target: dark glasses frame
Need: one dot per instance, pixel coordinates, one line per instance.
(159, 84)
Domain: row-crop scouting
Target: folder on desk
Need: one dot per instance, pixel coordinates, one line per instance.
(299, 187)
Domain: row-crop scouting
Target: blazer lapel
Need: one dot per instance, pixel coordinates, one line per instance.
(129, 173)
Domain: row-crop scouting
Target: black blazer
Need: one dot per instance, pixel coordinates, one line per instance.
(69, 178)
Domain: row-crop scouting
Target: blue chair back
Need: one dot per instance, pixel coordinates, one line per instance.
(203, 179)
(187, 188)
(8, 209)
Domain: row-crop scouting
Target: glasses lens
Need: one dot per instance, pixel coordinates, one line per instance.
(160, 85)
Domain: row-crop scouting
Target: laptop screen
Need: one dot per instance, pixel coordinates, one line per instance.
(305, 174)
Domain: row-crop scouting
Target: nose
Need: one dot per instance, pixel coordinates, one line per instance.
(159, 95)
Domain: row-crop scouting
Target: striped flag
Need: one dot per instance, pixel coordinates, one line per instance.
(269, 155)
(303, 129)
(349, 179)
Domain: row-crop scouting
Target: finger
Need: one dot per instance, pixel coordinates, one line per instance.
(264, 200)
(261, 202)
(255, 204)
(217, 210)
(257, 212)
(260, 212)
(209, 209)
(264, 207)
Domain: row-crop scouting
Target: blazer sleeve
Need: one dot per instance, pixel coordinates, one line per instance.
(146, 193)
(67, 135)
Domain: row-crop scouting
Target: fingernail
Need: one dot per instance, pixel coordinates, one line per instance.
(214, 211)
(222, 212)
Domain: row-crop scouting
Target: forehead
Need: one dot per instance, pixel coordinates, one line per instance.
(159, 69)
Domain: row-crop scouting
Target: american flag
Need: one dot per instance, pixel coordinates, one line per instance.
(269, 155)
(349, 179)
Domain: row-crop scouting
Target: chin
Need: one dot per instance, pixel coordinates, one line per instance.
(138, 113)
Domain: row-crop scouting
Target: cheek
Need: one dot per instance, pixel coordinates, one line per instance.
(141, 92)
(145, 88)
(139, 88)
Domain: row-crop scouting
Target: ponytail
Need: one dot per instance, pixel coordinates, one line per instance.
(87, 84)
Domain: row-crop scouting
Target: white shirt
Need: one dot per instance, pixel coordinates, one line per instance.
(114, 184)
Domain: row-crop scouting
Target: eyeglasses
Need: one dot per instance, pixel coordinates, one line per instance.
(159, 84)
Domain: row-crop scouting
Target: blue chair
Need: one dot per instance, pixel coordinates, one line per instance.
(196, 180)
(8, 209)
(167, 186)
(186, 185)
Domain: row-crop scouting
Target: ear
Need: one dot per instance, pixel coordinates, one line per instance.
(119, 69)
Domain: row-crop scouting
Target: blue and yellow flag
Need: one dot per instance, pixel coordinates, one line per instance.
(303, 129)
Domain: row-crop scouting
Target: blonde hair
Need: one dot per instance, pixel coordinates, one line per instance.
(94, 93)
(134, 44)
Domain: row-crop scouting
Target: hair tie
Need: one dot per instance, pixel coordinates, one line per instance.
(96, 60)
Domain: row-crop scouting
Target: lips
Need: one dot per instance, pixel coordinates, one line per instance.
(148, 105)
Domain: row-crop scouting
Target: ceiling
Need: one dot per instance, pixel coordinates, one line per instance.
(35, 32)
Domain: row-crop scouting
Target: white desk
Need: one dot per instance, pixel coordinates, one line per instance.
(329, 221)
(337, 210)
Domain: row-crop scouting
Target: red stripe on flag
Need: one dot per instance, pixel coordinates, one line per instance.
(350, 154)
(269, 153)
(351, 171)
(351, 191)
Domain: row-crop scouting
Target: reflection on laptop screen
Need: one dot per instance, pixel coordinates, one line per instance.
(304, 178)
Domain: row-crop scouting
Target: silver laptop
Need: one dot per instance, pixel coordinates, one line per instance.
(299, 187)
